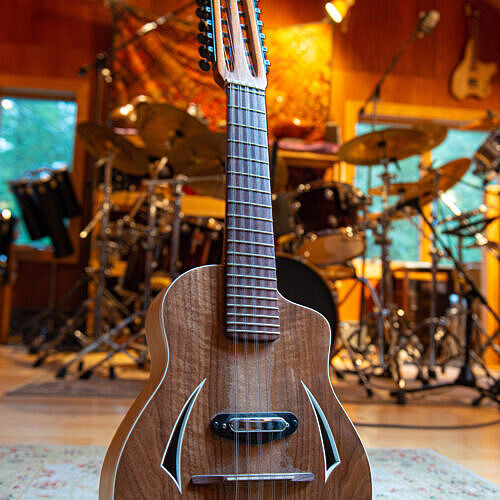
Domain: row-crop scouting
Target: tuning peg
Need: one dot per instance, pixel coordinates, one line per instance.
(267, 63)
(204, 13)
(205, 38)
(262, 37)
(204, 65)
(206, 53)
(205, 26)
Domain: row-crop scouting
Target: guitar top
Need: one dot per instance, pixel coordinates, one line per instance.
(239, 404)
(472, 78)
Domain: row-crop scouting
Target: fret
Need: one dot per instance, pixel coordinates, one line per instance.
(272, 308)
(251, 190)
(235, 323)
(267, 268)
(246, 315)
(250, 277)
(236, 141)
(254, 160)
(251, 217)
(246, 254)
(243, 125)
(253, 287)
(243, 108)
(254, 297)
(243, 242)
(248, 90)
(249, 203)
(246, 174)
(249, 230)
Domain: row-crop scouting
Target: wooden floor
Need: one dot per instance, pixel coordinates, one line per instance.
(91, 421)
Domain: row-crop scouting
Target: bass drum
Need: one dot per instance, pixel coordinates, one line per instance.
(301, 283)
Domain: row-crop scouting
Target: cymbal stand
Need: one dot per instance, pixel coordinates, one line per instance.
(466, 377)
(102, 334)
(178, 185)
(139, 315)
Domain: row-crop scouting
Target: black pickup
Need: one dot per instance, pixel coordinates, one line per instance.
(255, 428)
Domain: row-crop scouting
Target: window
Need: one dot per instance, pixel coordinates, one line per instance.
(467, 194)
(34, 132)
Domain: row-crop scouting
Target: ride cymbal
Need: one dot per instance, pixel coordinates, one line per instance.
(388, 144)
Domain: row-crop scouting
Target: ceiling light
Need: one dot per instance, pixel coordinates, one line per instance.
(338, 9)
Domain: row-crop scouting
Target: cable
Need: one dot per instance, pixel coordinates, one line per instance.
(429, 427)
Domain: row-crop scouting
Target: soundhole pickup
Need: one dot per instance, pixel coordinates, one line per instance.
(255, 428)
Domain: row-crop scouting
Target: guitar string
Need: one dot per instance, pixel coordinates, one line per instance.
(256, 354)
(229, 99)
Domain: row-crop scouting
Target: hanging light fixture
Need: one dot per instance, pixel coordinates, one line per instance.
(338, 9)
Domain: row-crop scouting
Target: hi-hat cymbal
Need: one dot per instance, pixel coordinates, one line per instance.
(101, 141)
(162, 125)
(389, 144)
(424, 189)
(488, 122)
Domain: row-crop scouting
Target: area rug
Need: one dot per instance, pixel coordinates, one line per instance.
(72, 473)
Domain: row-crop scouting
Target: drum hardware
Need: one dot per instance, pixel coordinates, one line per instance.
(488, 122)
(466, 376)
(487, 157)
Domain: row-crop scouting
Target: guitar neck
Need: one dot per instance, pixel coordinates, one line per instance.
(250, 259)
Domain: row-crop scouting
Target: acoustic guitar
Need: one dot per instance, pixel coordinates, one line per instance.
(472, 78)
(238, 404)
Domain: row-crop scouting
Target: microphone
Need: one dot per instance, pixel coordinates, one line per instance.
(427, 22)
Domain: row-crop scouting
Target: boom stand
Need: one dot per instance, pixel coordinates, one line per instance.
(466, 377)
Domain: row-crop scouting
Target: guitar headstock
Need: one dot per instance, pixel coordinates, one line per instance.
(232, 42)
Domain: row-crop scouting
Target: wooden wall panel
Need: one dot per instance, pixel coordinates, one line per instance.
(53, 38)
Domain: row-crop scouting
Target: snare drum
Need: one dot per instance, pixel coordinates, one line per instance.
(487, 157)
(327, 222)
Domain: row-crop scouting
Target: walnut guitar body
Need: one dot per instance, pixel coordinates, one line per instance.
(194, 377)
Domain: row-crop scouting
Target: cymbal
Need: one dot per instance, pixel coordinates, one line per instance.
(424, 189)
(201, 154)
(390, 143)
(101, 141)
(162, 125)
(435, 133)
(400, 188)
(488, 122)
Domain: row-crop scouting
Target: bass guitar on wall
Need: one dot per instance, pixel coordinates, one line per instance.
(238, 403)
(472, 78)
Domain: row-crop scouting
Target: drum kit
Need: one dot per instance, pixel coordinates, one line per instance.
(158, 228)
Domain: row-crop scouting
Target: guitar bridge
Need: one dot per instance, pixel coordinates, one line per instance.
(293, 477)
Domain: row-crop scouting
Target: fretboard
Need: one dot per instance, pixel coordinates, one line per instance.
(251, 293)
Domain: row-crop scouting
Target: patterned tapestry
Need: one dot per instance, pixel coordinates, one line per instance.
(163, 64)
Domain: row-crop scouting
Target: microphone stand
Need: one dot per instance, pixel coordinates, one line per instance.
(375, 95)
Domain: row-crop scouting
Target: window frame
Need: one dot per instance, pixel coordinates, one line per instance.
(69, 89)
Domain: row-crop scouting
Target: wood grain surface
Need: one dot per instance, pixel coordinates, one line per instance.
(269, 375)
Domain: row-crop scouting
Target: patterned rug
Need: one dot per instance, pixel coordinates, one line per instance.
(72, 473)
